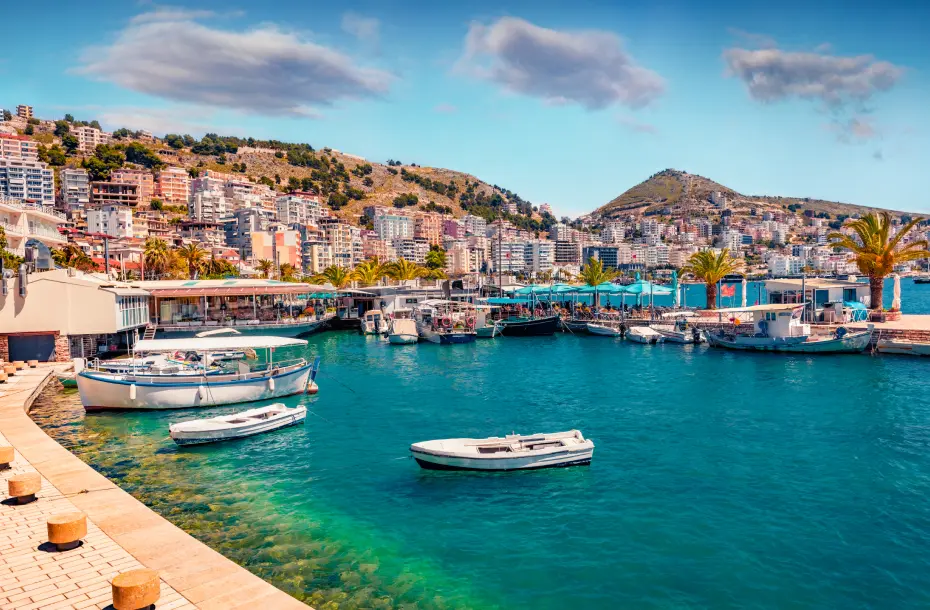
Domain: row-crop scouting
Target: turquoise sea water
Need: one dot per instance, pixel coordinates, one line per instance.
(720, 479)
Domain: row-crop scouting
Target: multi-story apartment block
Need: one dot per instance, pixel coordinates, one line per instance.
(240, 227)
(89, 137)
(508, 256)
(27, 180)
(317, 256)
(279, 246)
(18, 147)
(539, 256)
(24, 112)
(567, 253)
(475, 225)
(208, 206)
(140, 226)
(454, 228)
(607, 255)
(346, 241)
(114, 193)
(203, 232)
(613, 232)
(428, 226)
(113, 220)
(782, 265)
(302, 208)
(545, 208)
(24, 220)
(374, 247)
(141, 177)
(173, 186)
(75, 188)
(413, 250)
(393, 226)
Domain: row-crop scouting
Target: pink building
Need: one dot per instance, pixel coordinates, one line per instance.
(453, 228)
(141, 177)
(277, 246)
(18, 147)
(428, 226)
(173, 186)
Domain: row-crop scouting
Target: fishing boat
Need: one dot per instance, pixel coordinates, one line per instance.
(485, 328)
(680, 331)
(445, 322)
(101, 390)
(238, 425)
(68, 379)
(603, 330)
(922, 279)
(778, 327)
(403, 331)
(512, 452)
(574, 326)
(529, 326)
(645, 335)
(903, 347)
(374, 322)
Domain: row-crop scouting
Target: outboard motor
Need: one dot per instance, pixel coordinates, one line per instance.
(622, 330)
(841, 332)
(696, 334)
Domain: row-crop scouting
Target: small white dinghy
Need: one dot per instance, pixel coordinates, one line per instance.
(644, 334)
(603, 330)
(512, 452)
(238, 425)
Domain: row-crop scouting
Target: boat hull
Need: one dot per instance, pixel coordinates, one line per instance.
(275, 330)
(103, 392)
(575, 326)
(402, 339)
(487, 332)
(852, 343)
(561, 459)
(538, 327)
(216, 436)
(644, 339)
(602, 331)
(904, 348)
(674, 336)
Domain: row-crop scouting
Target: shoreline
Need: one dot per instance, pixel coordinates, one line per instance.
(200, 576)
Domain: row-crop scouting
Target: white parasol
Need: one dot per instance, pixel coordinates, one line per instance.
(896, 298)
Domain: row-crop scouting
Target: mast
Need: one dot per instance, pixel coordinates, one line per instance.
(500, 245)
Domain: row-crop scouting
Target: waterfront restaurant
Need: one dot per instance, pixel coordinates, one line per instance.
(186, 307)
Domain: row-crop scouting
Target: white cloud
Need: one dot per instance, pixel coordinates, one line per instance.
(589, 68)
(366, 29)
(159, 121)
(265, 70)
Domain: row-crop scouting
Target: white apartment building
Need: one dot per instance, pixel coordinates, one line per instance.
(89, 137)
(18, 147)
(613, 233)
(781, 265)
(346, 242)
(112, 220)
(394, 226)
(28, 180)
(23, 221)
(413, 250)
(316, 256)
(475, 225)
(539, 256)
(298, 209)
(75, 188)
(208, 206)
(508, 256)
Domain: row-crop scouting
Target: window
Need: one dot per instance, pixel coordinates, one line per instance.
(849, 294)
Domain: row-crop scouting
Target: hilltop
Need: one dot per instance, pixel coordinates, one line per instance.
(674, 192)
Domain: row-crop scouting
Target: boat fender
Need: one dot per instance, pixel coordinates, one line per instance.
(271, 384)
(470, 322)
(132, 391)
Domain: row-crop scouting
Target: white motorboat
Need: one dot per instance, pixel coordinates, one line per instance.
(374, 322)
(512, 452)
(903, 347)
(486, 328)
(778, 328)
(239, 425)
(680, 331)
(603, 330)
(445, 322)
(143, 390)
(645, 335)
(403, 331)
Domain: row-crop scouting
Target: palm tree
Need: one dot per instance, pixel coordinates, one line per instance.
(435, 274)
(593, 273)
(288, 272)
(265, 266)
(403, 270)
(70, 256)
(710, 268)
(370, 272)
(339, 277)
(435, 258)
(193, 255)
(876, 252)
(545, 277)
(156, 255)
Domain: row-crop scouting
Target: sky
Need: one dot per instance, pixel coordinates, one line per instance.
(563, 103)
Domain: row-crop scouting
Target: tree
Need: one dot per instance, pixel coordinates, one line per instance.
(877, 253)
(338, 277)
(70, 143)
(53, 155)
(72, 256)
(370, 272)
(436, 258)
(293, 183)
(710, 268)
(29, 130)
(593, 273)
(95, 124)
(174, 141)
(141, 155)
(403, 270)
(337, 201)
(156, 256)
(69, 118)
(61, 128)
(193, 255)
(265, 266)
(157, 204)
(289, 273)
(7, 115)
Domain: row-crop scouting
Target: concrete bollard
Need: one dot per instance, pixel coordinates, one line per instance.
(9, 369)
(6, 457)
(136, 589)
(24, 487)
(65, 530)
(32, 363)
(19, 364)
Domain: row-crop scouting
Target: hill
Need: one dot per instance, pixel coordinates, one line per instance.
(673, 192)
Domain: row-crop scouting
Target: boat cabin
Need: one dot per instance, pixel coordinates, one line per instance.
(829, 300)
(775, 320)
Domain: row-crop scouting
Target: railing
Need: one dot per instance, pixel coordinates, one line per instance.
(11, 228)
(32, 207)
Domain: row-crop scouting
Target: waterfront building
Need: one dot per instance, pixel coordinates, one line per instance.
(24, 220)
(316, 256)
(346, 241)
(567, 253)
(114, 193)
(89, 137)
(393, 226)
(28, 180)
(454, 228)
(18, 147)
(173, 186)
(143, 178)
(75, 188)
(508, 256)
(277, 245)
(413, 250)
(113, 220)
(240, 227)
(539, 256)
(607, 255)
(782, 265)
(373, 247)
(92, 313)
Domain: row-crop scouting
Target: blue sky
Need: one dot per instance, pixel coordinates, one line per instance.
(565, 104)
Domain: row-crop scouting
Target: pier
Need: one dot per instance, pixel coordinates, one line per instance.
(122, 533)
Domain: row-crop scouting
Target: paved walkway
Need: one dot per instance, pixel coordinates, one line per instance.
(122, 533)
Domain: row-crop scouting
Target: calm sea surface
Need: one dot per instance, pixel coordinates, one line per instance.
(720, 479)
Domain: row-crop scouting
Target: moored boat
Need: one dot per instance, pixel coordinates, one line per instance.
(902, 347)
(512, 452)
(374, 323)
(403, 331)
(645, 335)
(529, 326)
(445, 322)
(680, 331)
(603, 330)
(778, 328)
(238, 425)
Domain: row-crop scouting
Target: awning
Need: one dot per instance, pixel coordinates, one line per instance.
(126, 292)
(215, 344)
(232, 291)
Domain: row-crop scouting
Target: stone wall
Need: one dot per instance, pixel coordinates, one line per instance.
(4, 348)
(62, 348)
